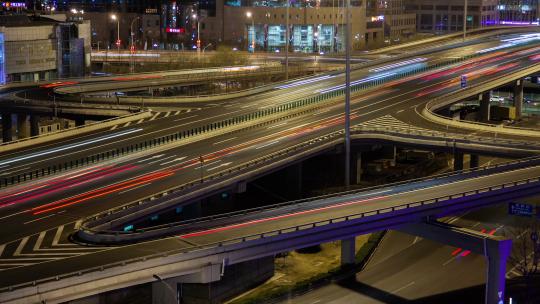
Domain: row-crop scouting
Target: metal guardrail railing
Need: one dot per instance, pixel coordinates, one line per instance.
(70, 129)
(222, 73)
(457, 95)
(234, 121)
(101, 218)
(305, 102)
(276, 232)
(449, 136)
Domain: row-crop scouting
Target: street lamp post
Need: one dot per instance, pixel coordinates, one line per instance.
(196, 17)
(465, 20)
(132, 47)
(117, 19)
(347, 95)
(249, 15)
(287, 43)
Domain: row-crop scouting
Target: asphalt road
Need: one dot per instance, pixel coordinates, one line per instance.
(408, 269)
(179, 163)
(243, 225)
(33, 208)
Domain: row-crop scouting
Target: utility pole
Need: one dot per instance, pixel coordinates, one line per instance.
(347, 94)
(465, 20)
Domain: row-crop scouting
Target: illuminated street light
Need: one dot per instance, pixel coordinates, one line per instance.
(117, 19)
(249, 15)
(198, 33)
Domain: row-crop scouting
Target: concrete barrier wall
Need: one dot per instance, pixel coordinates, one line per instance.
(27, 142)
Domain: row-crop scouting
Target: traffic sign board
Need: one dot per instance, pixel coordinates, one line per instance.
(520, 209)
(463, 81)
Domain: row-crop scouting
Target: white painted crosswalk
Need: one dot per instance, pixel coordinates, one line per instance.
(155, 115)
(391, 123)
(48, 245)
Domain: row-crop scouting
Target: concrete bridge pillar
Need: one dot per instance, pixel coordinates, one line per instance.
(34, 125)
(7, 127)
(348, 251)
(358, 168)
(474, 161)
(484, 106)
(458, 161)
(23, 126)
(518, 97)
(294, 181)
(495, 248)
(79, 121)
(213, 283)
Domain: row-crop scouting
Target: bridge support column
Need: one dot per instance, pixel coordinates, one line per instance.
(518, 97)
(213, 283)
(34, 125)
(294, 181)
(495, 248)
(348, 251)
(358, 168)
(458, 161)
(484, 106)
(474, 161)
(79, 121)
(7, 127)
(23, 129)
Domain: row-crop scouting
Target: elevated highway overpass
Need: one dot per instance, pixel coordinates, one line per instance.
(46, 202)
(209, 243)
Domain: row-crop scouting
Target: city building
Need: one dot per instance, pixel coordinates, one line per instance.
(315, 25)
(447, 16)
(391, 14)
(518, 11)
(38, 48)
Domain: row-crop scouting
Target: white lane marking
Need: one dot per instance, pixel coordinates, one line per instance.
(400, 111)
(403, 287)
(184, 118)
(206, 165)
(21, 246)
(278, 125)
(157, 161)
(67, 147)
(39, 219)
(174, 160)
(15, 264)
(127, 124)
(13, 214)
(177, 112)
(6, 173)
(58, 234)
(167, 114)
(2, 247)
(416, 239)
(113, 127)
(222, 165)
(155, 115)
(152, 157)
(450, 260)
(225, 140)
(268, 144)
(140, 120)
(143, 185)
(39, 240)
